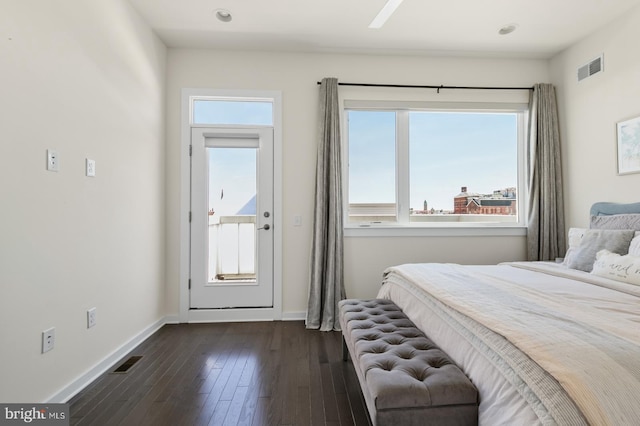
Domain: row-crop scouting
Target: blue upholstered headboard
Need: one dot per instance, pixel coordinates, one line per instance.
(607, 209)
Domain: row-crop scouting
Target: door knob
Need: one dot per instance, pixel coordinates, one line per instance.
(266, 227)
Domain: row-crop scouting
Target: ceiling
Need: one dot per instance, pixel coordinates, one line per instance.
(433, 27)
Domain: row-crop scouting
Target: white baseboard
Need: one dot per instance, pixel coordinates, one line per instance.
(241, 315)
(294, 316)
(81, 382)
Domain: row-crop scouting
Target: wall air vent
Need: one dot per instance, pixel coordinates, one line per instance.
(593, 67)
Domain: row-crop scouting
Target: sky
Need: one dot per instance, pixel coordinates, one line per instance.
(232, 112)
(232, 179)
(232, 171)
(447, 151)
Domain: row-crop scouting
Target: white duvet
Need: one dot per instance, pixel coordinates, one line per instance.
(581, 331)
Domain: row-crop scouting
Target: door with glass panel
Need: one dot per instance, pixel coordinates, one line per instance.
(231, 217)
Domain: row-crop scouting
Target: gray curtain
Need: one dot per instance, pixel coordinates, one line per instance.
(546, 229)
(326, 282)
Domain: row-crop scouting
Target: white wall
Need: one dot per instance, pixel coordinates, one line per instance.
(589, 111)
(367, 258)
(296, 76)
(85, 78)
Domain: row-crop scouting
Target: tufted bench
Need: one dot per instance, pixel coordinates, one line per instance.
(405, 379)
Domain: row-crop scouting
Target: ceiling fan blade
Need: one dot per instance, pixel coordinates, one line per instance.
(385, 14)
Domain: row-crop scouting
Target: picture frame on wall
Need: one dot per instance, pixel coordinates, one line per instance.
(628, 132)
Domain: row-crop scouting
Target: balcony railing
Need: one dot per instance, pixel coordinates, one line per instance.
(232, 248)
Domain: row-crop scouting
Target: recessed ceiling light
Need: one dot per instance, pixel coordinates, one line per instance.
(508, 29)
(223, 15)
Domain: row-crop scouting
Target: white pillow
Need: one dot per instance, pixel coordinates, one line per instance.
(574, 238)
(634, 247)
(620, 268)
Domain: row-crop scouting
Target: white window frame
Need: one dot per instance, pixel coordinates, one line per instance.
(403, 226)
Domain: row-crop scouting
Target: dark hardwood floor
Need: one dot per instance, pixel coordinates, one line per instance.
(260, 373)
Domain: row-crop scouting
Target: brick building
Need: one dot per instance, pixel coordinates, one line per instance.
(501, 202)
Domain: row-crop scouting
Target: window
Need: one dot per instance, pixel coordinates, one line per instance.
(425, 165)
(372, 165)
(232, 111)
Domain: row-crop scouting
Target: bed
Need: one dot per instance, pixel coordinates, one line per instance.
(544, 342)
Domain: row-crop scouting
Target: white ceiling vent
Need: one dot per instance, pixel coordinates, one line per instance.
(593, 67)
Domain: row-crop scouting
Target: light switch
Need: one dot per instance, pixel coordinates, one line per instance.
(297, 220)
(91, 168)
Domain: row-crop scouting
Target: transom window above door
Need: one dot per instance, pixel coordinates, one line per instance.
(257, 112)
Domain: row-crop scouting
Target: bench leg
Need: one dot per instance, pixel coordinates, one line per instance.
(345, 350)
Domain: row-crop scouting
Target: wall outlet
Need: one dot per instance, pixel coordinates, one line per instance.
(91, 167)
(91, 317)
(53, 160)
(48, 339)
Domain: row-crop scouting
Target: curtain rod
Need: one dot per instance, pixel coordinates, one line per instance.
(432, 87)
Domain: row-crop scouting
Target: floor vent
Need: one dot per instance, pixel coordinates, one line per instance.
(125, 366)
(593, 67)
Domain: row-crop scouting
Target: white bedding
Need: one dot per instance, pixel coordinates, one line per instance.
(581, 331)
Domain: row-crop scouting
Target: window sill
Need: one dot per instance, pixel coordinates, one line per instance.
(378, 230)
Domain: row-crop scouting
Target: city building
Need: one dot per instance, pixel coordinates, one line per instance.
(500, 202)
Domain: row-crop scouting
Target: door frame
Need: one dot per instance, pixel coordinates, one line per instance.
(221, 315)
